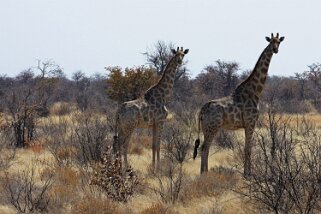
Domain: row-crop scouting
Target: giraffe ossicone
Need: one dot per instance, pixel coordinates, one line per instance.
(240, 110)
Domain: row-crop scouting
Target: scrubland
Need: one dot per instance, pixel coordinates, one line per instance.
(54, 173)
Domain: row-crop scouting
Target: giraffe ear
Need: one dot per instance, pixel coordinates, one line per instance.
(282, 38)
(173, 51)
(268, 39)
(186, 51)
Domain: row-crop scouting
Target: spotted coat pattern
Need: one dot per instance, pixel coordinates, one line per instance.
(148, 111)
(240, 110)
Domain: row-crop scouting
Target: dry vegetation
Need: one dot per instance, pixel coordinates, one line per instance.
(57, 177)
(55, 134)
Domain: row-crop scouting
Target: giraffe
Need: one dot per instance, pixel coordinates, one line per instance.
(239, 110)
(148, 111)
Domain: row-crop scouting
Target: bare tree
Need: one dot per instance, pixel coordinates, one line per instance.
(314, 75)
(25, 194)
(22, 109)
(302, 79)
(227, 71)
(7, 151)
(48, 68)
(158, 57)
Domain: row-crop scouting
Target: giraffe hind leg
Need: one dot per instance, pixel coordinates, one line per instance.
(208, 138)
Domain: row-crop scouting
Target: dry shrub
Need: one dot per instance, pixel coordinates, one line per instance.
(213, 183)
(286, 169)
(118, 183)
(65, 187)
(62, 108)
(36, 146)
(139, 142)
(171, 179)
(95, 205)
(135, 147)
(25, 193)
(67, 176)
(225, 139)
(158, 209)
(89, 136)
(65, 155)
(296, 106)
(80, 139)
(170, 175)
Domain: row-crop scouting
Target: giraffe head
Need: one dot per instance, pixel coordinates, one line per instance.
(179, 54)
(274, 42)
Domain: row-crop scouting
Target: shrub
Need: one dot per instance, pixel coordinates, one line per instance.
(118, 184)
(170, 174)
(213, 183)
(95, 205)
(62, 108)
(25, 194)
(285, 170)
(140, 140)
(157, 209)
(65, 188)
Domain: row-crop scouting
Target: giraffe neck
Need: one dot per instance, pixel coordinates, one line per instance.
(254, 84)
(164, 88)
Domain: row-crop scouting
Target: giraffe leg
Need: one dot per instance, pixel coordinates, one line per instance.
(154, 143)
(208, 138)
(159, 128)
(248, 150)
(124, 138)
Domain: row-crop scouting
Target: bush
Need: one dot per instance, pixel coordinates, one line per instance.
(170, 174)
(213, 183)
(158, 209)
(286, 170)
(119, 185)
(139, 142)
(95, 205)
(62, 108)
(25, 194)
(80, 139)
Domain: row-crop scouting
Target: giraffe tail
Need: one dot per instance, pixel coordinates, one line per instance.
(197, 144)
(197, 141)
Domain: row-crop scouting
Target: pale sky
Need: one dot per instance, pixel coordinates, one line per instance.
(88, 35)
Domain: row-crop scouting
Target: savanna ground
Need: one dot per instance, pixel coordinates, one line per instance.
(58, 170)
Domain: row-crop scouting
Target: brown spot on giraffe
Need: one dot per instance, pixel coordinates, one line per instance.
(148, 111)
(245, 99)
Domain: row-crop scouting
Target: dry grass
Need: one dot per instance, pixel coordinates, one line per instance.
(62, 108)
(158, 208)
(210, 193)
(140, 140)
(214, 183)
(95, 205)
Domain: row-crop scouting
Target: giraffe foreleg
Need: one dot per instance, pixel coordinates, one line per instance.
(154, 146)
(123, 141)
(248, 150)
(157, 128)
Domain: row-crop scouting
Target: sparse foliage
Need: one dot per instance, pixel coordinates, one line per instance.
(286, 170)
(171, 176)
(25, 194)
(130, 84)
(119, 185)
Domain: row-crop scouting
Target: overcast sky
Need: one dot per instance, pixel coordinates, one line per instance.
(88, 35)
